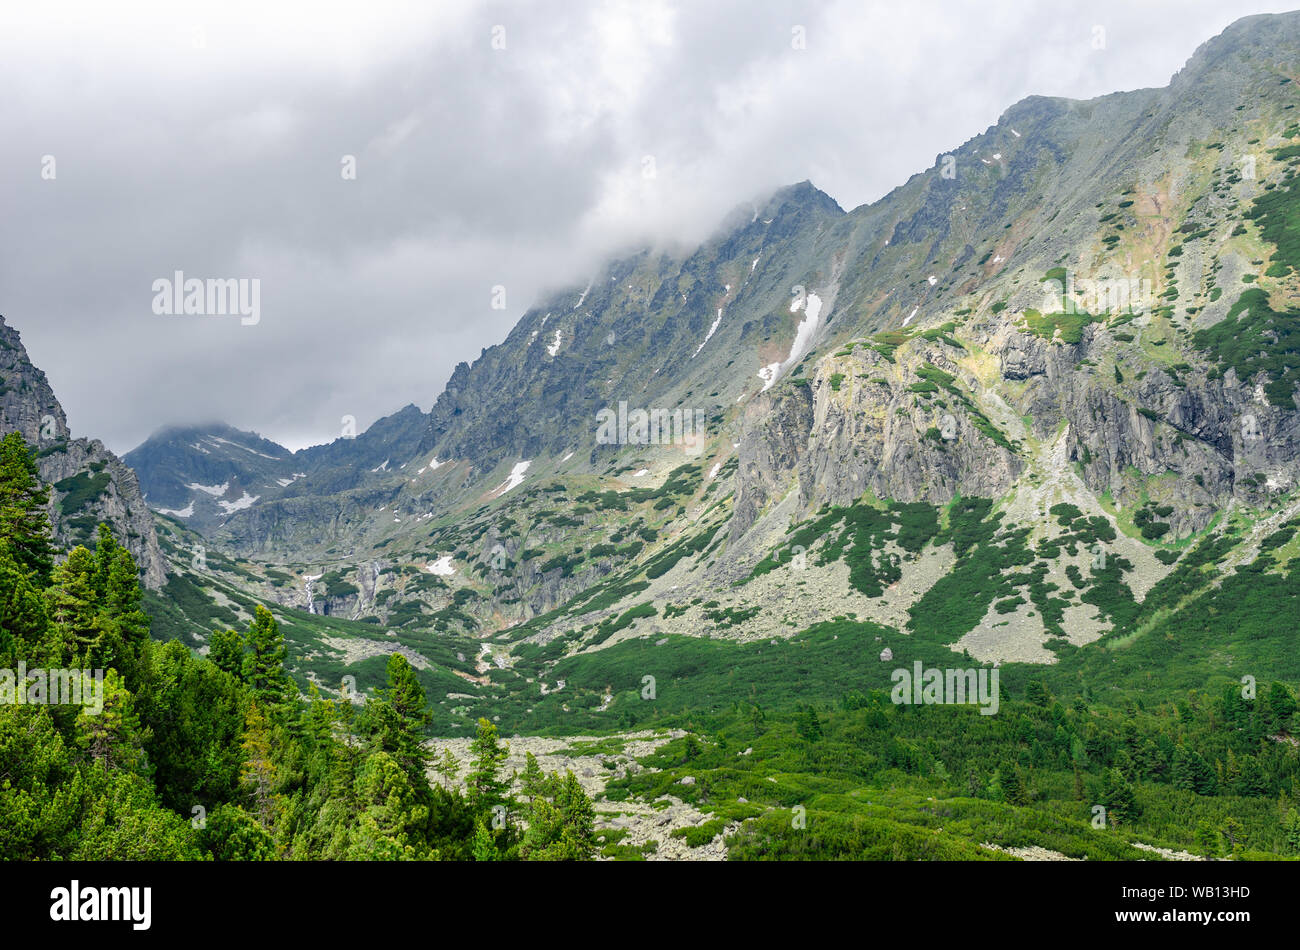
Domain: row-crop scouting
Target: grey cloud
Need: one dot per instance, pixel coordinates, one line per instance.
(476, 167)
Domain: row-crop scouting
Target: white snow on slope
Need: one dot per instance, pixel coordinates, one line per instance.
(230, 507)
(582, 296)
(554, 347)
(714, 472)
(442, 567)
(644, 471)
(216, 438)
(910, 316)
(516, 478)
(567, 457)
(712, 330)
(216, 491)
(383, 467)
(803, 337)
(186, 512)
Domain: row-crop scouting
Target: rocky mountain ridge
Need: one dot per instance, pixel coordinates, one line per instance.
(89, 484)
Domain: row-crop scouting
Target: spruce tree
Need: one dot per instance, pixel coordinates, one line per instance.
(486, 789)
(24, 522)
(74, 610)
(264, 662)
(226, 651)
(403, 714)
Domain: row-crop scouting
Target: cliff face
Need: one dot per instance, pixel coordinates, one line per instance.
(89, 484)
(1090, 304)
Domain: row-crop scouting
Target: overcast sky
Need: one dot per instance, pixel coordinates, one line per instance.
(494, 143)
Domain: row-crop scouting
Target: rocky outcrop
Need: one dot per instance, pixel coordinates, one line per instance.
(89, 484)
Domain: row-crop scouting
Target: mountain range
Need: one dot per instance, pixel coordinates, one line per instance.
(1003, 412)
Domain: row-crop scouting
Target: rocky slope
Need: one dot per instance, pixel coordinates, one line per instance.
(89, 484)
(1087, 309)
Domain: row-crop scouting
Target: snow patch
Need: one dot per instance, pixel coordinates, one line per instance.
(216, 491)
(803, 337)
(186, 512)
(582, 296)
(218, 439)
(516, 477)
(712, 330)
(554, 346)
(230, 507)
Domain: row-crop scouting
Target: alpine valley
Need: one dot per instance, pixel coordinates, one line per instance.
(1033, 413)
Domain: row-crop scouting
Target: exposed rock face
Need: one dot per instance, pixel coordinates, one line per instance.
(945, 360)
(96, 485)
(775, 433)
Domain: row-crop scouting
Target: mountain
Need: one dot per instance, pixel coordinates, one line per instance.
(204, 473)
(1004, 413)
(89, 483)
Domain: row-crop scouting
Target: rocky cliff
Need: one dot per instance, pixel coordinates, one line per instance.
(88, 483)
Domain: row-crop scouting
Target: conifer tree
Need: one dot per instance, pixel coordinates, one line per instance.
(113, 734)
(448, 768)
(24, 522)
(24, 616)
(226, 651)
(579, 817)
(486, 789)
(74, 610)
(403, 714)
(259, 772)
(533, 781)
(264, 662)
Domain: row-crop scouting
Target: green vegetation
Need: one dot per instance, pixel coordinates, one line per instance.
(1253, 338)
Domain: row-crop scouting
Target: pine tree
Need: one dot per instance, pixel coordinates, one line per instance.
(24, 523)
(1291, 831)
(259, 772)
(74, 610)
(113, 734)
(579, 817)
(24, 617)
(226, 651)
(403, 715)
(486, 789)
(485, 847)
(264, 661)
(533, 781)
(448, 768)
(117, 581)
(1117, 795)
